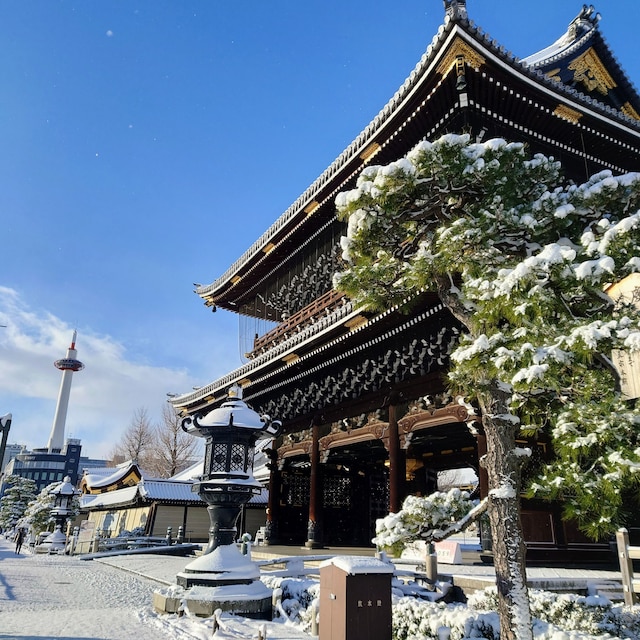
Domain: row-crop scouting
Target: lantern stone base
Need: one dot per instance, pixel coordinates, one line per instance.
(225, 565)
(222, 579)
(250, 601)
(53, 543)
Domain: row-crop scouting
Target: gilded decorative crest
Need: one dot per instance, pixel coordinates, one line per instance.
(460, 49)
(589, 70)
(554, 75)
(566, 113)
(628, 110)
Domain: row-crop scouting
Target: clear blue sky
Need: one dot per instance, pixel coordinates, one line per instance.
(146, 144)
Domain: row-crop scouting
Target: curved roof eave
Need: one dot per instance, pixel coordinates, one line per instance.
(351, 152)
(262, 367)
(567, 45)
(471, 33)
(118, 473)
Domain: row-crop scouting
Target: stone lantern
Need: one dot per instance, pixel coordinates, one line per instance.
(227, 483)
(63, 508)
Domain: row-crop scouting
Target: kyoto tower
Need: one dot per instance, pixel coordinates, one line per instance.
(67, 365)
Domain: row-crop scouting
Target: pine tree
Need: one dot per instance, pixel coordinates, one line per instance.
(522, 260)
(16, 499)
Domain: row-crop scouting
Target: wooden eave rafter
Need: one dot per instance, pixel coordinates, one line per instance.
(295, 450)
(373, 431)
(378, 430)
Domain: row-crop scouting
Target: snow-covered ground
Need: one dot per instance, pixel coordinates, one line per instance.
(44, 597)
(50, 596)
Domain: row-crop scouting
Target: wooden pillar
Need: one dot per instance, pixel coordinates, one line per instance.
(314, 531)
(272, 529)
(396, 461)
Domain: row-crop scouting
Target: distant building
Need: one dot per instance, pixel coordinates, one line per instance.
(59, 458)
(87, 464)
(10, 452)
(115, 500)
(44, 468)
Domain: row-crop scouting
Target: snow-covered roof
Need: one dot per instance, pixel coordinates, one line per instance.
(260, 498)
(154, 491)
(98, 479)
(580, 30)
(582, 59)
(353, 565)
(108, 499)
(167, 490)
(260, 470)
(190, 473)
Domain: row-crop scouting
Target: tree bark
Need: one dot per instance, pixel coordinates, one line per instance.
(503, 467)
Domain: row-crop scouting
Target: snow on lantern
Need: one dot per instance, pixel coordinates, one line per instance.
(227, 483)
(62, 509)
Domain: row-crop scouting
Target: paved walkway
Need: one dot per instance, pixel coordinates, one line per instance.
(472, 574)
(43, 597)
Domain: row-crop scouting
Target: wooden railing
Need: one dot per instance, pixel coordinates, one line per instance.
(627, 554)
(297, 321)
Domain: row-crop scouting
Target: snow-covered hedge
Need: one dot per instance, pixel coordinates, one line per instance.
(556, 616)
(299, 599)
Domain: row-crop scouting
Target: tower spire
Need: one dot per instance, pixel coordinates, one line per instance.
(68, 366)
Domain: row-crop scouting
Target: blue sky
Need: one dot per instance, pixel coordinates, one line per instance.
(145, 145)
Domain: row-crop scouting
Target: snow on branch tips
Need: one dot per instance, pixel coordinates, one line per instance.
(431, 518)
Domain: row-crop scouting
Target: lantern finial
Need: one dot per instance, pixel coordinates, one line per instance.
(234, 392)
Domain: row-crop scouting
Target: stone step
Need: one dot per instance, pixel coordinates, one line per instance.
(610, 589)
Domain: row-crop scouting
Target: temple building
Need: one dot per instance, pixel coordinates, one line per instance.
(121, 499)
(361, 395)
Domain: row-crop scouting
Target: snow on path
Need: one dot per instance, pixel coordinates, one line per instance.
(44, 596)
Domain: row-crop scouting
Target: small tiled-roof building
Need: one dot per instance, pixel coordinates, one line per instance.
(119, 499)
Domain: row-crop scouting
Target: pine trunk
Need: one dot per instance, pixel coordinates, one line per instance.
(503, 470)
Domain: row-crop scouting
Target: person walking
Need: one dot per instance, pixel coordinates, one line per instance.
(19, 540)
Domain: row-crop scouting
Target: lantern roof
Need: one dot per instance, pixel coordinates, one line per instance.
(65, 488)
(234, 412)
